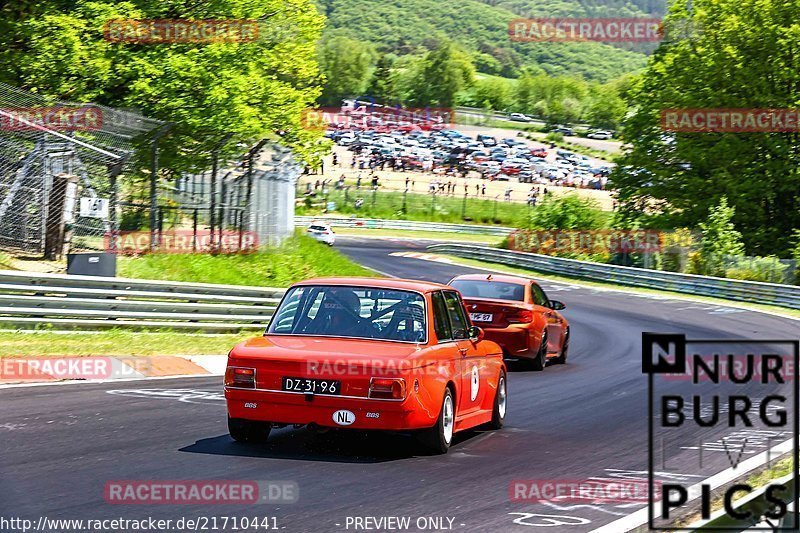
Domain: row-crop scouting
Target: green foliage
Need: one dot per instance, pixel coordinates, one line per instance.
(296, 259)
(441, 74)
(567, 212)
(249, 89)
(346, 64)
(719, 240)
(481, 28)
(719, 54)
(767, 269)
(424, 207)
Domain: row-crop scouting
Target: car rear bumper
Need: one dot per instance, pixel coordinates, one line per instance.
(515, 341)
(288, 408)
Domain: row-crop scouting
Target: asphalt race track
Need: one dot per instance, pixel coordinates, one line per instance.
(62, 444)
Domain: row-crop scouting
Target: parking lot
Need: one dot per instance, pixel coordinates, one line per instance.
(481, 162)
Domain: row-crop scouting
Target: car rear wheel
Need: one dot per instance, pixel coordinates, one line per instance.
(248, 430)
(562, 357)
(500, 403)
(438, 438)
(540, 361)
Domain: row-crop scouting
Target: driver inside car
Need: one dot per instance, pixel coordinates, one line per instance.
(340, 314)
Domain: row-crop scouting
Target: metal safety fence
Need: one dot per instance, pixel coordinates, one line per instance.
(728, 289)
(30, 300)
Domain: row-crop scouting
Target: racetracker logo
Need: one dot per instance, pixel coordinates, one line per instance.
(740, 120)
(377, 117)
(181, 31)
(58, 368)
(586, 241)
(187, 492)
(87, 118)
(588, 491)
(181, 242)
(608, 30)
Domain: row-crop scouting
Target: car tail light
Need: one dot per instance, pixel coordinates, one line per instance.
(523, 316)
(240, 377)
(387, 388)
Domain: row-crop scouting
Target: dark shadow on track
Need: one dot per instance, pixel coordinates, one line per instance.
(336, 446)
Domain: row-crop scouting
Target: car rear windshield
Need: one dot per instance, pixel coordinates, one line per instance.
(497, 290)
(318, 228)
(350, 311)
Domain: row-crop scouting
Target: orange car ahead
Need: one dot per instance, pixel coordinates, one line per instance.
(517, 314)
(372, 354)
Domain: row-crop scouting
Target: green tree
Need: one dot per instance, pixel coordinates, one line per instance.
(250, 89)
(719, 239)
(346, 64)
(566, 212)
(606, 109)
(382, 84)
(444, 72)
(718, 54)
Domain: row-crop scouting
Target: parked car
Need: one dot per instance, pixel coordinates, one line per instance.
(487, 140)
(517, 314)
(600, 135)
(519, 117)
(322, 233)
(367, 354)
(563, 130)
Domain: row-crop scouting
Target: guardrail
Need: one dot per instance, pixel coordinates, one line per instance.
(729, 289)
(87, 302)
(375, 223)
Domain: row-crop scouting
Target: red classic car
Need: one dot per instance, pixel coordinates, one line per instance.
(517, 314)
(367, 353)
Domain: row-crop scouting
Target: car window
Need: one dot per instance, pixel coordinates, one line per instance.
(497, 290)
(539, 297)
(458, 319)
(350, 311)
(441, 324)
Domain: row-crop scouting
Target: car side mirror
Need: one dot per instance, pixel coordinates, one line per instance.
(475, 334)
(555, 305)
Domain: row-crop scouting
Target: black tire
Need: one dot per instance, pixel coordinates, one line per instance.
(562, 357)
(540, 361)
(248, 430)
(435, 438)
(500, 403)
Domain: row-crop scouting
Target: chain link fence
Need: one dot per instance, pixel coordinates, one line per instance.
(70, 183)
(60, 164)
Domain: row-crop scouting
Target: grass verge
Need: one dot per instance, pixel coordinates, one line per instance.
(794, 313)
(116, 342)
(423, 207)
(298, 258)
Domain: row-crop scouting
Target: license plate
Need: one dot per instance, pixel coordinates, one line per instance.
(311, 386)
(481, 317)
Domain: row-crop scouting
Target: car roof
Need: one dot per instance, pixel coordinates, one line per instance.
(379, 283)
(494, 277)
